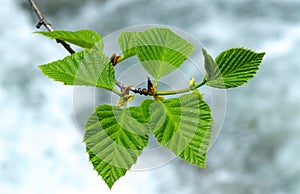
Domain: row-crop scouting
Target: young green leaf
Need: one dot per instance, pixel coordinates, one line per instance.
(210, 65)
(127, 42)
(187, 128)
(159, 49)
(234, 67)
(87, 67)
(114, 139)
(82, 38)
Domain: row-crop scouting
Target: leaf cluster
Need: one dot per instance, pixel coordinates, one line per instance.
(116, 135)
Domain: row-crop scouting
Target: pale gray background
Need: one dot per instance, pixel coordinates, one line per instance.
(257, 151)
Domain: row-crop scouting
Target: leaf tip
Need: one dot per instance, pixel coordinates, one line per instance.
(262, 54)
(109, 184)
(41, 67)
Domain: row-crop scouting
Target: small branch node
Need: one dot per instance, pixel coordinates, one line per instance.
(44, 22)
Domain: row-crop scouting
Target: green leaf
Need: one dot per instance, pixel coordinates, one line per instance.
(88, 67)
(82, 38)
(210, 66)
(234, 67)
(127, 42)
(114, 139)
(187, 127)
(159, 49)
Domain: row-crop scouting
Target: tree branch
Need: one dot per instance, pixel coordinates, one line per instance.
(142, 91)
(44, 22)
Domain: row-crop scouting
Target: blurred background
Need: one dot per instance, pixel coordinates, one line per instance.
(257, 150)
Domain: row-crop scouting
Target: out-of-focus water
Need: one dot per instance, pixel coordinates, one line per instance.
(257, 151)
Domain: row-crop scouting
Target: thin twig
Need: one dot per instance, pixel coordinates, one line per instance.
(141, 91)
(44, 22)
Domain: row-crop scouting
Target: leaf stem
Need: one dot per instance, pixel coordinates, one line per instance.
(172, 92)
(200, 84)
(116, 92)
(184, 90)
